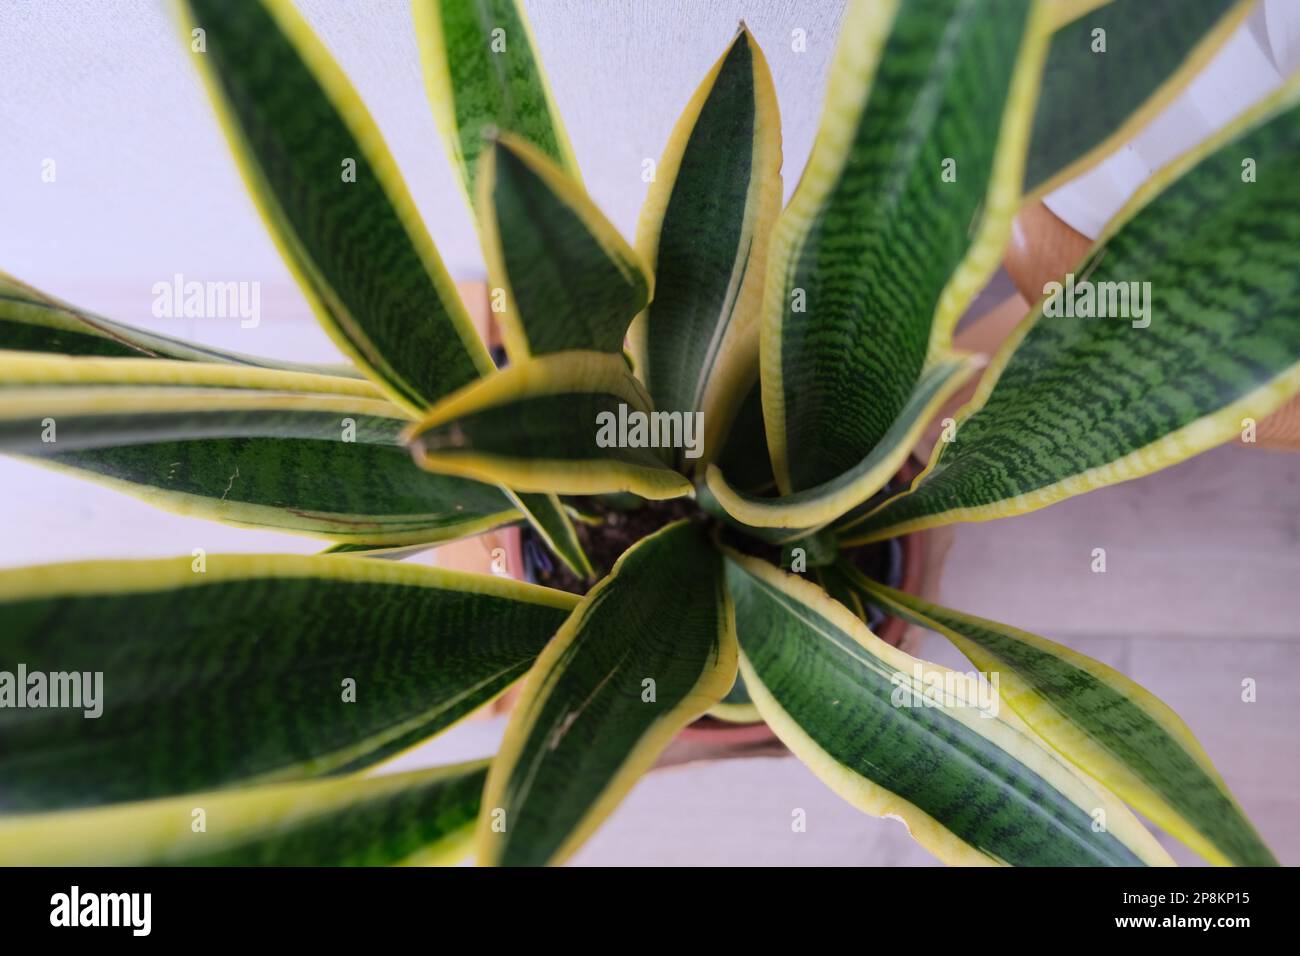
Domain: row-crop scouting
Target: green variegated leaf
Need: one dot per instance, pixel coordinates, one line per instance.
(31, 321)
(334, 200)
(1099, 88)
(306, 453)
(570, 281)
(817, 550)
(579, 509)
(549, 519)
(1207, 255)
(106, 402)
(220, 669)
(362, 493)
(1115, 730)
(550, 425)
(816, 506)
(710, 505)
(833, 581)
(735, 706)
(388, 552)
(704, 230)
(482, 72)
(744, 459)
(895, 736)
(900, 217)
(420, 818)
(649, 649)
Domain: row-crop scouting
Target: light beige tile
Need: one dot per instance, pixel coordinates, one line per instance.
(740, 813)
(1254, 745)
(1209, 548)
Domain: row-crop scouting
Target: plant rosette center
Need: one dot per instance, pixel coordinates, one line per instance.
(608, 525)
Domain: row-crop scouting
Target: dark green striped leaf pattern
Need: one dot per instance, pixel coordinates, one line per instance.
(1104, 722)
(237, 668)
(556, 424)
(333, 198)
(1086, 402)
(648, 650)
(85, 418)
(970, 787)
(483, 72)
(835, 583)
(366, 493)
(32, 321)
(815, 507)
(548, 518)
(326, 464)
(384, 552)
(420, 817)
(735, 706)
(1091, 96)
(710, 505)
(745, 459)
(877, 233)
(570, 280)
(705, 229)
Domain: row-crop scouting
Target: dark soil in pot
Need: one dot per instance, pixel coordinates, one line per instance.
(621, 524)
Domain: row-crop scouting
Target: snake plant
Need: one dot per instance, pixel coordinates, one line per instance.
(248, 700)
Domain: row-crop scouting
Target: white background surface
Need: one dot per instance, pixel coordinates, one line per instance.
(146, 187)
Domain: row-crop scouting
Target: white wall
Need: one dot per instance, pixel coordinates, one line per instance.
(145, 186)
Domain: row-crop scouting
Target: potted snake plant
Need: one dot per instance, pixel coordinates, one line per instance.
(733, 391)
